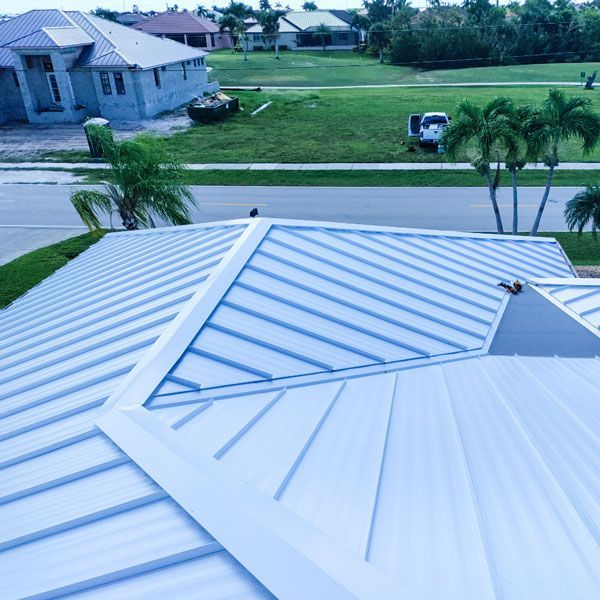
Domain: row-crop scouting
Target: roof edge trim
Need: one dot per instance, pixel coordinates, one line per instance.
(301, 223)
(168, 348)
(257, 530)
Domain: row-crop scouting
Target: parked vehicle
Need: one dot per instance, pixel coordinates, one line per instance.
(213, 108)
(428, 127)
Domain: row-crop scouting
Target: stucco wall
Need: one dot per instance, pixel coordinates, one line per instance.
(174, 90)
(85, 92)
(12, 107)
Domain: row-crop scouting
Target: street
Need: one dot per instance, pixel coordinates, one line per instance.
(36, 215)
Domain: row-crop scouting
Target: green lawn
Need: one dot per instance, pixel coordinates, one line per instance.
(332, 68)
(336, 178)
(364, 125)
(23, 273)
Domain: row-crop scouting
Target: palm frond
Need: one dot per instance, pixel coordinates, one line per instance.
(88, 204)
(584, 209)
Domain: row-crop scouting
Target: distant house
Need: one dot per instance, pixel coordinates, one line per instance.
(187, 28)
(296, 31)
(62, 66)
(131, 18)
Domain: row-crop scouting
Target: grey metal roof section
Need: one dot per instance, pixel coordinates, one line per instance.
(531, 325)
(582, 296)
(66, 491)
(107, 44)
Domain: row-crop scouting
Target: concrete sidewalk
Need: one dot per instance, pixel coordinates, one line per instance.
(416, 166)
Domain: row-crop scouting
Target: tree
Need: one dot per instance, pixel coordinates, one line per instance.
(516, 157)
(233, 19)
(202, 11)
(560, 118)
(269, 21)
(584, 209)
(145, 181)
(489, 130)
(105, 13)
(264, 5)
(309, 6)
(379, 38)
(360, 22)
(322, 33)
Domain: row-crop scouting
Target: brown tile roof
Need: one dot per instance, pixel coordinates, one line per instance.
(176, 22)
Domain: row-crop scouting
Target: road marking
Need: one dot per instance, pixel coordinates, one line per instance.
(502, 205)
(7, 201)
(231, 204)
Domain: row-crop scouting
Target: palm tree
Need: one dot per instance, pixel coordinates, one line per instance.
(322, 32)
(516, 158)
(144, 182)
(379, 38)
(269, 21)
(583, 209)
(491, 132)
(558, 119)
(237, 30)
(202, 11)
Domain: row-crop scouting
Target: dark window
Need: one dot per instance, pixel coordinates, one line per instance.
(176, 38)
(16, 80)
(48, 66)
(119, 84)
(201, 61)
(197, 41)
(105, 80)
(184, 71)
(54, 87)
(163, 68)
(187, 62)
(30, 62)
(156, 78)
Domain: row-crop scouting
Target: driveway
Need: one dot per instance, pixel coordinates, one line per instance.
(19, 140)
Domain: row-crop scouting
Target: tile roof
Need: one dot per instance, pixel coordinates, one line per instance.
(105, 43)
(300, 409)
(170, 22)
(307, 20)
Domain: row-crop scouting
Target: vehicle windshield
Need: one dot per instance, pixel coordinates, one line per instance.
(435, 120)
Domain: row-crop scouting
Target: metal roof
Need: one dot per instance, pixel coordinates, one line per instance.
(309, 20)
(346, 435)
(65, 488)
(581, 296)
(171, 22)
(105, 43)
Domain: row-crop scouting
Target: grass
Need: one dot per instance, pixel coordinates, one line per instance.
(363, 125)
(335, 68)
(337, 178)
(25, 272)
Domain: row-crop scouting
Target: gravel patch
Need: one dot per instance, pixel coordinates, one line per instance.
(588, 271)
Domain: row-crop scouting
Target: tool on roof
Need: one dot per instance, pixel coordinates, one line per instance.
(515, 288)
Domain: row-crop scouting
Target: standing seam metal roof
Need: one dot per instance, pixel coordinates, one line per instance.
(343, 436)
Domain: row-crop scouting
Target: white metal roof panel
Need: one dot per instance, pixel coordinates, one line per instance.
(313, 299)
(582, 296)
(368, 450)
(68, 495)
(448, 478)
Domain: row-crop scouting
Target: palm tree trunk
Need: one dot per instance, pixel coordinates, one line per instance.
(245, 47)
(515, 190)
(540, 212)
(276, 48)
(494, 201)
(129, 221)
(381, 55)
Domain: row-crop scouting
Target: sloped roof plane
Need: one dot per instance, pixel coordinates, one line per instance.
(297, 409)
(105, 43)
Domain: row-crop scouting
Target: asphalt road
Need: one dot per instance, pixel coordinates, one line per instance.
(435, 208)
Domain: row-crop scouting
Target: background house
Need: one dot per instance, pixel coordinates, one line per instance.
(62, 66)
(296, 31)
(187, 28)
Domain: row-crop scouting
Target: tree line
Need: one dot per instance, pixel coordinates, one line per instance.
(480, 33)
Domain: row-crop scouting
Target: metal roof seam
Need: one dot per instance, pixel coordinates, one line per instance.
(476, 501)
